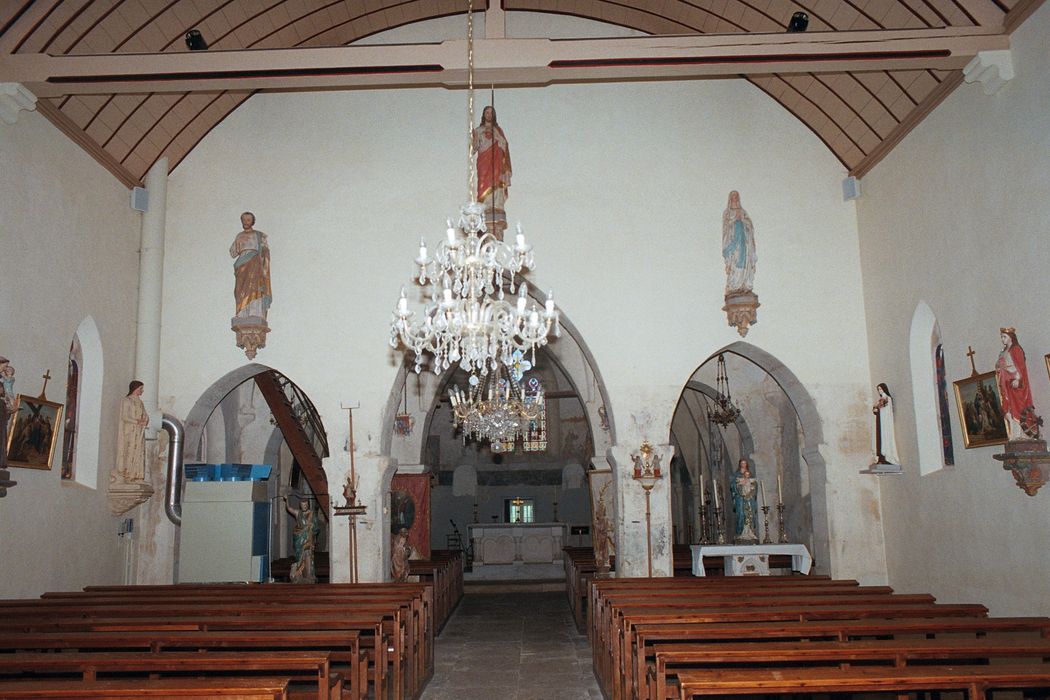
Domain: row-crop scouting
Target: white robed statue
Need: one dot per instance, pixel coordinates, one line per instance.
(884, 439)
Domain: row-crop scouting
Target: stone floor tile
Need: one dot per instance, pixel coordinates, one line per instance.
(512, 646)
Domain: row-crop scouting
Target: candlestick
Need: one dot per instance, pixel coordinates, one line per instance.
(780, 518)
(765, 524)
(762, 489)
(719, 526)
(704, 538)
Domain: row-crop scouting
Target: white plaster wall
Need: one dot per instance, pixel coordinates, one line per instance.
(957, 217)
(621, 189)
(70, 250)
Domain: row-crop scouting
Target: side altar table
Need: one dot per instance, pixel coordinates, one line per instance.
(518, 550)
(750, 559)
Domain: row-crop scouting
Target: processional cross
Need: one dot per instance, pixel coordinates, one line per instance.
(351, 508)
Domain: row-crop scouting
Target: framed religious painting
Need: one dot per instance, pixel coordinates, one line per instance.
(33, 433)
(410, 510)
(980, 411)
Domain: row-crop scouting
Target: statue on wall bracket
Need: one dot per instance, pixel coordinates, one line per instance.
(1026, 456)
(738, 251)
(251, 291)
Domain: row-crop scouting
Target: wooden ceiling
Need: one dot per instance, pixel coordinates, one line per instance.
(116, 76)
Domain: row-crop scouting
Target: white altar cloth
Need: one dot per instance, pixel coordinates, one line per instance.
(801, 560)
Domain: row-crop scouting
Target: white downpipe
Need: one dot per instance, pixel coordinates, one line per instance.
(151, 284)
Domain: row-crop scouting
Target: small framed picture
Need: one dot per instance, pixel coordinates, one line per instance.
(980, 411)
(34, 433)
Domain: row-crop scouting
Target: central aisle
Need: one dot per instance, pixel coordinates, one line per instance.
(512, 646)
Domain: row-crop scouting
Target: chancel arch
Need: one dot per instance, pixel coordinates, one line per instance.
(778, 431)
(580, 430)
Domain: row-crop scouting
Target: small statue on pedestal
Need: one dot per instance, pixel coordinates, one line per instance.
(251, 291)
(744, 490)
(738, 252)
(1026, 456)
(304, 540)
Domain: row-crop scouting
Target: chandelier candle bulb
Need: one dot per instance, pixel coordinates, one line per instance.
(549, 304)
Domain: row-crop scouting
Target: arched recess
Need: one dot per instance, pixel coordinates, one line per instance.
(923, 339)
(812, 434)
(197, 419)
(89, 418)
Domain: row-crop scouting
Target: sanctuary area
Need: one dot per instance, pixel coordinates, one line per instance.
(523, 350)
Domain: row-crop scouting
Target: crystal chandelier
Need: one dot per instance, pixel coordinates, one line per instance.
(496, 408)
(468, 320)
(724, 411)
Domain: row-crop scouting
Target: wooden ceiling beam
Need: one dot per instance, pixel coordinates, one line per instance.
(501, 62)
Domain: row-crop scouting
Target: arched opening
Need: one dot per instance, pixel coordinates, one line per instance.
(929, 392)
(254, 415)
(471, 484)
(80, 447)
(778, 432)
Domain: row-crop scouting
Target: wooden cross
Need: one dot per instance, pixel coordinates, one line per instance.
(970, 354)
(43, 392)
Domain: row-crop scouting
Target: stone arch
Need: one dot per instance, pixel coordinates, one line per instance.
(813, 437)
(576, 363)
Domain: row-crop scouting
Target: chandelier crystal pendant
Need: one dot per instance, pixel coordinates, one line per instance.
(724, 411)
(469, 321)
(496, 408)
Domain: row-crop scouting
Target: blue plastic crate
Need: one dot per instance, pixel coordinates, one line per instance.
(227, 472)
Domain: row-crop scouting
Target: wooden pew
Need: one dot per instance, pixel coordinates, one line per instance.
(160, 642)
(671, 637)
(249, 611)
(356, 626)
(974, 680)
(90, 666)
(206, 688)
(670, 660)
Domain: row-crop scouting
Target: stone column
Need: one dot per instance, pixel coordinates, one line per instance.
(632, 553)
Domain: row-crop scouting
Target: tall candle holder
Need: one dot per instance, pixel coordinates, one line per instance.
(719, 527)
(765, 525)
(780, 524)
(647, 473)
(704, 537)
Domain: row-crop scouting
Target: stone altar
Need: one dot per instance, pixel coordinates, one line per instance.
(518, 550)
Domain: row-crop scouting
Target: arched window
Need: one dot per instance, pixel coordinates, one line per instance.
(87, 416)
(929, 392)
(69, 435)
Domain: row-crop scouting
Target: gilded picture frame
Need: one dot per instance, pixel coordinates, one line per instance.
(33, 433)
(1046, 358)
(980, 411)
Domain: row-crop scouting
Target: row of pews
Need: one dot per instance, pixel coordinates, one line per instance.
(329, 642)
(686, 638)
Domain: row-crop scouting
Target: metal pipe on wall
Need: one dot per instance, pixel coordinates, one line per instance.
(151, 284)
(173, 484)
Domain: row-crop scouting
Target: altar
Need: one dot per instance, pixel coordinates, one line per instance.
(750, 559)
(518, 550)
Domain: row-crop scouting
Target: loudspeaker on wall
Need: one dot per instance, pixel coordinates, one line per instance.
(850, 189)
(139, 198)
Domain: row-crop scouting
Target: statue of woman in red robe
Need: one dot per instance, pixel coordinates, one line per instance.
(1011, 373)
(494, 171)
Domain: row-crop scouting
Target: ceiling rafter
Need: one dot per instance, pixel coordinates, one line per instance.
(823, 77)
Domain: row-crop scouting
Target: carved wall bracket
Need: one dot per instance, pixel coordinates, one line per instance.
(251, 334)
(5, 481)
(124, 496)
(1029, 462)
(741, 310)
